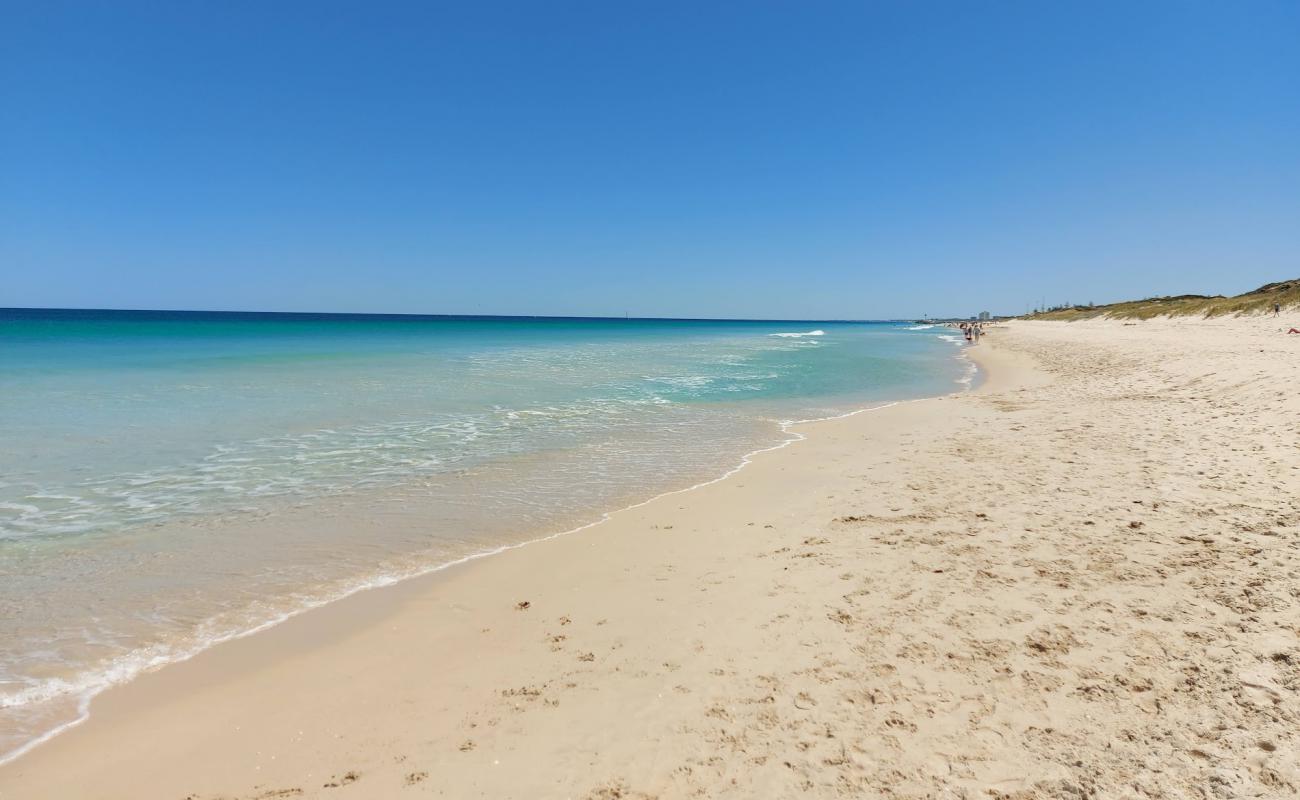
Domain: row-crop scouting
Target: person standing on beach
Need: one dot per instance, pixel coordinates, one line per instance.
(1277, 309)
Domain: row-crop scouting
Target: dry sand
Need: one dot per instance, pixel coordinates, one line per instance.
(1082, 580)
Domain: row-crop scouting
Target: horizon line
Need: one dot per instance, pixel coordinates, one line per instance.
(411, 315)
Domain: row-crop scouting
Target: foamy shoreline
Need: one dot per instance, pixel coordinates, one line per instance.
(124, 675)
(150, 661)
(701, 640)
(161, 591)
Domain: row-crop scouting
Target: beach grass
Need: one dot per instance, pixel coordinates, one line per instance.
(1261, 300)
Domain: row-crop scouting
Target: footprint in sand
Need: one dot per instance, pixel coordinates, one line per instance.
(350, 776)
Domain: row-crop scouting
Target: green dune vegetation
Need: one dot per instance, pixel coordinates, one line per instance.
(1261, 300)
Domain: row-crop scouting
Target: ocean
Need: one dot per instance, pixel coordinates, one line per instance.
(170, 480)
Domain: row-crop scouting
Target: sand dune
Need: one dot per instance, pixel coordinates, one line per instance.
(1082, 580)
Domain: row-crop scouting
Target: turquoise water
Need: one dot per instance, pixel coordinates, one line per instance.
(171, 479)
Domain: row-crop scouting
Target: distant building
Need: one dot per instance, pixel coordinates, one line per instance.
(984, 316)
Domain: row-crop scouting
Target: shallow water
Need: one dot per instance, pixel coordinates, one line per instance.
(168, 480)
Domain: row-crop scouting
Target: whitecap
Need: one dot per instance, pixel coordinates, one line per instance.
(798, 335)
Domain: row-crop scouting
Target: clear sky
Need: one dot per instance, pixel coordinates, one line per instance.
(799, 159)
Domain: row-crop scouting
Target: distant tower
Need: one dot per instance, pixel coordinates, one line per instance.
(984, 316)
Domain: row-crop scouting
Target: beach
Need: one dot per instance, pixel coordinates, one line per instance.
(204, 475)
(1079, 580)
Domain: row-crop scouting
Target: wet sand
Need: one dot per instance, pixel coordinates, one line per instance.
(1080, 580)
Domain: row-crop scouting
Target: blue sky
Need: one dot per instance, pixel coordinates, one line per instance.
(795, 159)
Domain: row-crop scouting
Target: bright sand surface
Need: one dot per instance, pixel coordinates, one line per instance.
(1082, 580)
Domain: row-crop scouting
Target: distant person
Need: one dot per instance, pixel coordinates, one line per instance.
(1277, 309)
